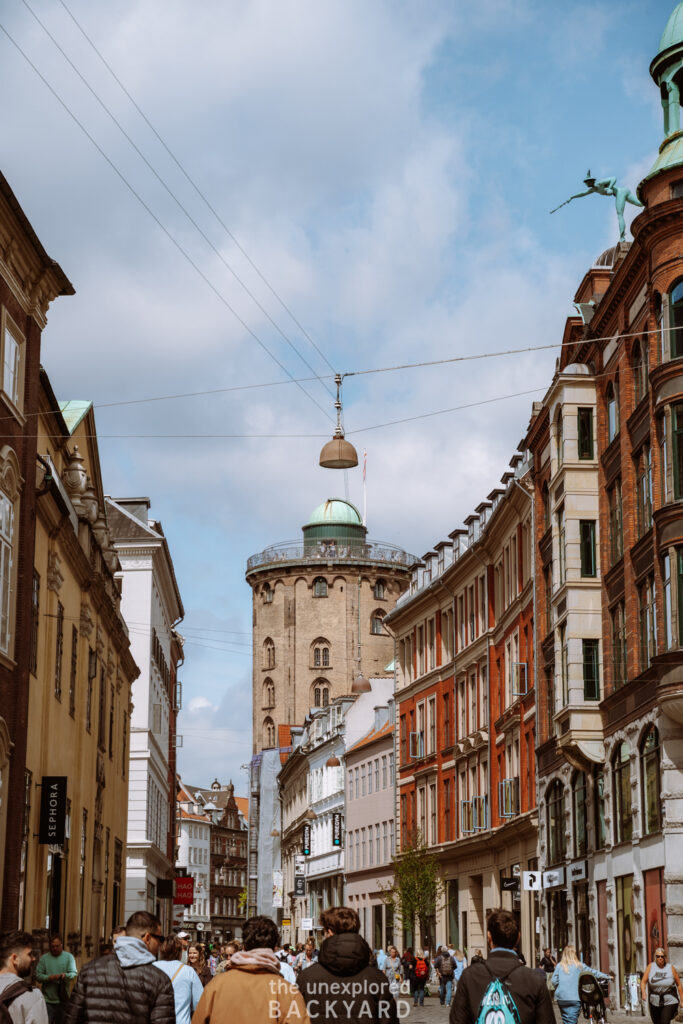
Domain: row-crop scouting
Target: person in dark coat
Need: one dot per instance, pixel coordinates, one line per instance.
(527, 988)
(343, 986)
(126, 987)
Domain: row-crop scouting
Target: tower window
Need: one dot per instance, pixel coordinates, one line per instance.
(267, 594)
(379, 590)
(320, 587)
(377, 624)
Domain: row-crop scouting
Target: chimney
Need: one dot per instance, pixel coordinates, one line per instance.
(381, 717)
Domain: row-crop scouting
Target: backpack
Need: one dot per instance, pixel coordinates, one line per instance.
(420, 967)
(497, 1005)
(446, 969)
(12, 992)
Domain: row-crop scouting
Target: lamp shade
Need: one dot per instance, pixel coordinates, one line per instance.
(338, 454)
(333, 762)
(360, 684)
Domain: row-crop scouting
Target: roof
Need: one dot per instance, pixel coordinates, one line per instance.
(376, 734)
(243, 806)
(335, 510)
(284, 741)
(74, 411)
(673, 33)
(62, 281)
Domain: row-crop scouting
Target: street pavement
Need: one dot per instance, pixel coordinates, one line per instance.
(433, 1013)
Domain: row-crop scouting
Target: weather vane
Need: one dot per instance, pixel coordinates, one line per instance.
(607, 187)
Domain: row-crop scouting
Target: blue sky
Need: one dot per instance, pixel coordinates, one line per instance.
(389, 168)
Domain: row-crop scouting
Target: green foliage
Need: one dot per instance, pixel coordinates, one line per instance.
(242, 900)
(417, 892)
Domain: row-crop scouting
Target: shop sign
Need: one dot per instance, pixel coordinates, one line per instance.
(286, 922)
(509, 884)
(532, 880)
(306, 839)
(553, 878)
(277, 889)
(299, 864)
(183, 890)
(307, 924)
(299, 885)
(52, 810)
(336, 829)
(577, 872)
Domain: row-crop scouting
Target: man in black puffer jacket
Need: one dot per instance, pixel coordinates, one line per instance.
(125, 987)
(342, 986)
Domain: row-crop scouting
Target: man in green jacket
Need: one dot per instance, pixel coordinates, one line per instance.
(52, 967)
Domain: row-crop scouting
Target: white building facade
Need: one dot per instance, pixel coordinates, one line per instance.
(151, 606)
(194, 858)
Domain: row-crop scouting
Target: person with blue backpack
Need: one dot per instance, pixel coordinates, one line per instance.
(500, 989)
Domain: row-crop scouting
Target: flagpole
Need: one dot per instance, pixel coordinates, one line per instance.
(365, 494)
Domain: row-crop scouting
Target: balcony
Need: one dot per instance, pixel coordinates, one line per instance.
(332, 552)
(579, 732)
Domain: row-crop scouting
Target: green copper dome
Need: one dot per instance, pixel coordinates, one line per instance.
(337, 511)
(673, 33)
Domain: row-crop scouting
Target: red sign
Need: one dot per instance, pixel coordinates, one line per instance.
(183, 890)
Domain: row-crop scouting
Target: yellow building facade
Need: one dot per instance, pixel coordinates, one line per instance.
(81, 672)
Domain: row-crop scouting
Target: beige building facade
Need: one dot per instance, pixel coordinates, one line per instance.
(81, 671)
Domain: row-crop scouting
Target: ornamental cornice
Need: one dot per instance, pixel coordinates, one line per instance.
(34, 283)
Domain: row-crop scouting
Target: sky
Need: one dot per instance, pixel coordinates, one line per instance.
(326, 185)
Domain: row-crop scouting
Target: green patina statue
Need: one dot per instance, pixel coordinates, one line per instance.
(607, 187)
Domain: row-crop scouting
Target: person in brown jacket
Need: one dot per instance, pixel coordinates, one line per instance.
(252, 988)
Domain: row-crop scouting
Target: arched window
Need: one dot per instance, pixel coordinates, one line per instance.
(557, 839)
(599, 806)
(268, 653)
(320, 587)
(559, 439)
(579, 813)
(379, 590)
(650, 781)
(10, 478)
(320, 692)
(268, 693)
(268, 732)
(612, 401)
(621, 794)
(640, 370)
(676, 320)
(321, 653)
(377, 623)
(267, 593)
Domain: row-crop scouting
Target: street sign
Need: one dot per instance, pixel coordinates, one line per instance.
(183, 891)
(52, 810)
(307, 924)
(509, 884)
(336, 829)
(553, 878)
(532, 880)
(306, 839)
(299, 885)
(286, 922)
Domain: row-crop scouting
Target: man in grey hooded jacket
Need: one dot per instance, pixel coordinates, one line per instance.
(126, 987)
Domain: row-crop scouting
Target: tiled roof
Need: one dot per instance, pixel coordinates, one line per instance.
(284, 741)
(243, 806)
(376, 734)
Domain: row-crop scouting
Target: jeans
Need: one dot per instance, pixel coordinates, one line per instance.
(569, 1010)
(445, 989)
(55, 1013)
(419, 991)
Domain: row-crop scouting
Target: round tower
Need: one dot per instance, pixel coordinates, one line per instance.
(318, 610)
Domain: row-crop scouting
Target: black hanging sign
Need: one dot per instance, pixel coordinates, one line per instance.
(52, 810)
(306, 840)
(510, 884)
(336, 829)
(299, 885)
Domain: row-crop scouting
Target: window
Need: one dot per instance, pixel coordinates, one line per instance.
(320, 587)
(59, 650)
(378, 590)
(612, 401)
(268, 653)
(35, 622)
(676, 321)
(562, 546)
(591, 669)
(267, 594)
(677, 437)
(587, 543)
(111, 723)
(432, 815)
(321, 654)
(564, 665)
(579, 812)
(321, 693)
(559, 440)
(619, 656)
(403, 751)
(362, 780)
(431, 725)
(545, 497)
(124, 745)
(640, 370)
(621, 778)
(644, 489)
(268, 693)
(377, 774)
(6, 567)
(663, 459)
(73, 671)
(92, 672)
(369, 778)
(668, 610)
(585, 433)
(650, 781)
(268, 732)
(447, 738)
(12, 361)
(616, 528)
(557, 839)
(376, 624)
(447, 818)
(599, 807)
(648, 622)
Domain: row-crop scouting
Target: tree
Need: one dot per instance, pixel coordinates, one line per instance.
(417, 892)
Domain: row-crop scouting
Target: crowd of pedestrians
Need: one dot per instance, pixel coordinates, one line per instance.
(144, 977)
